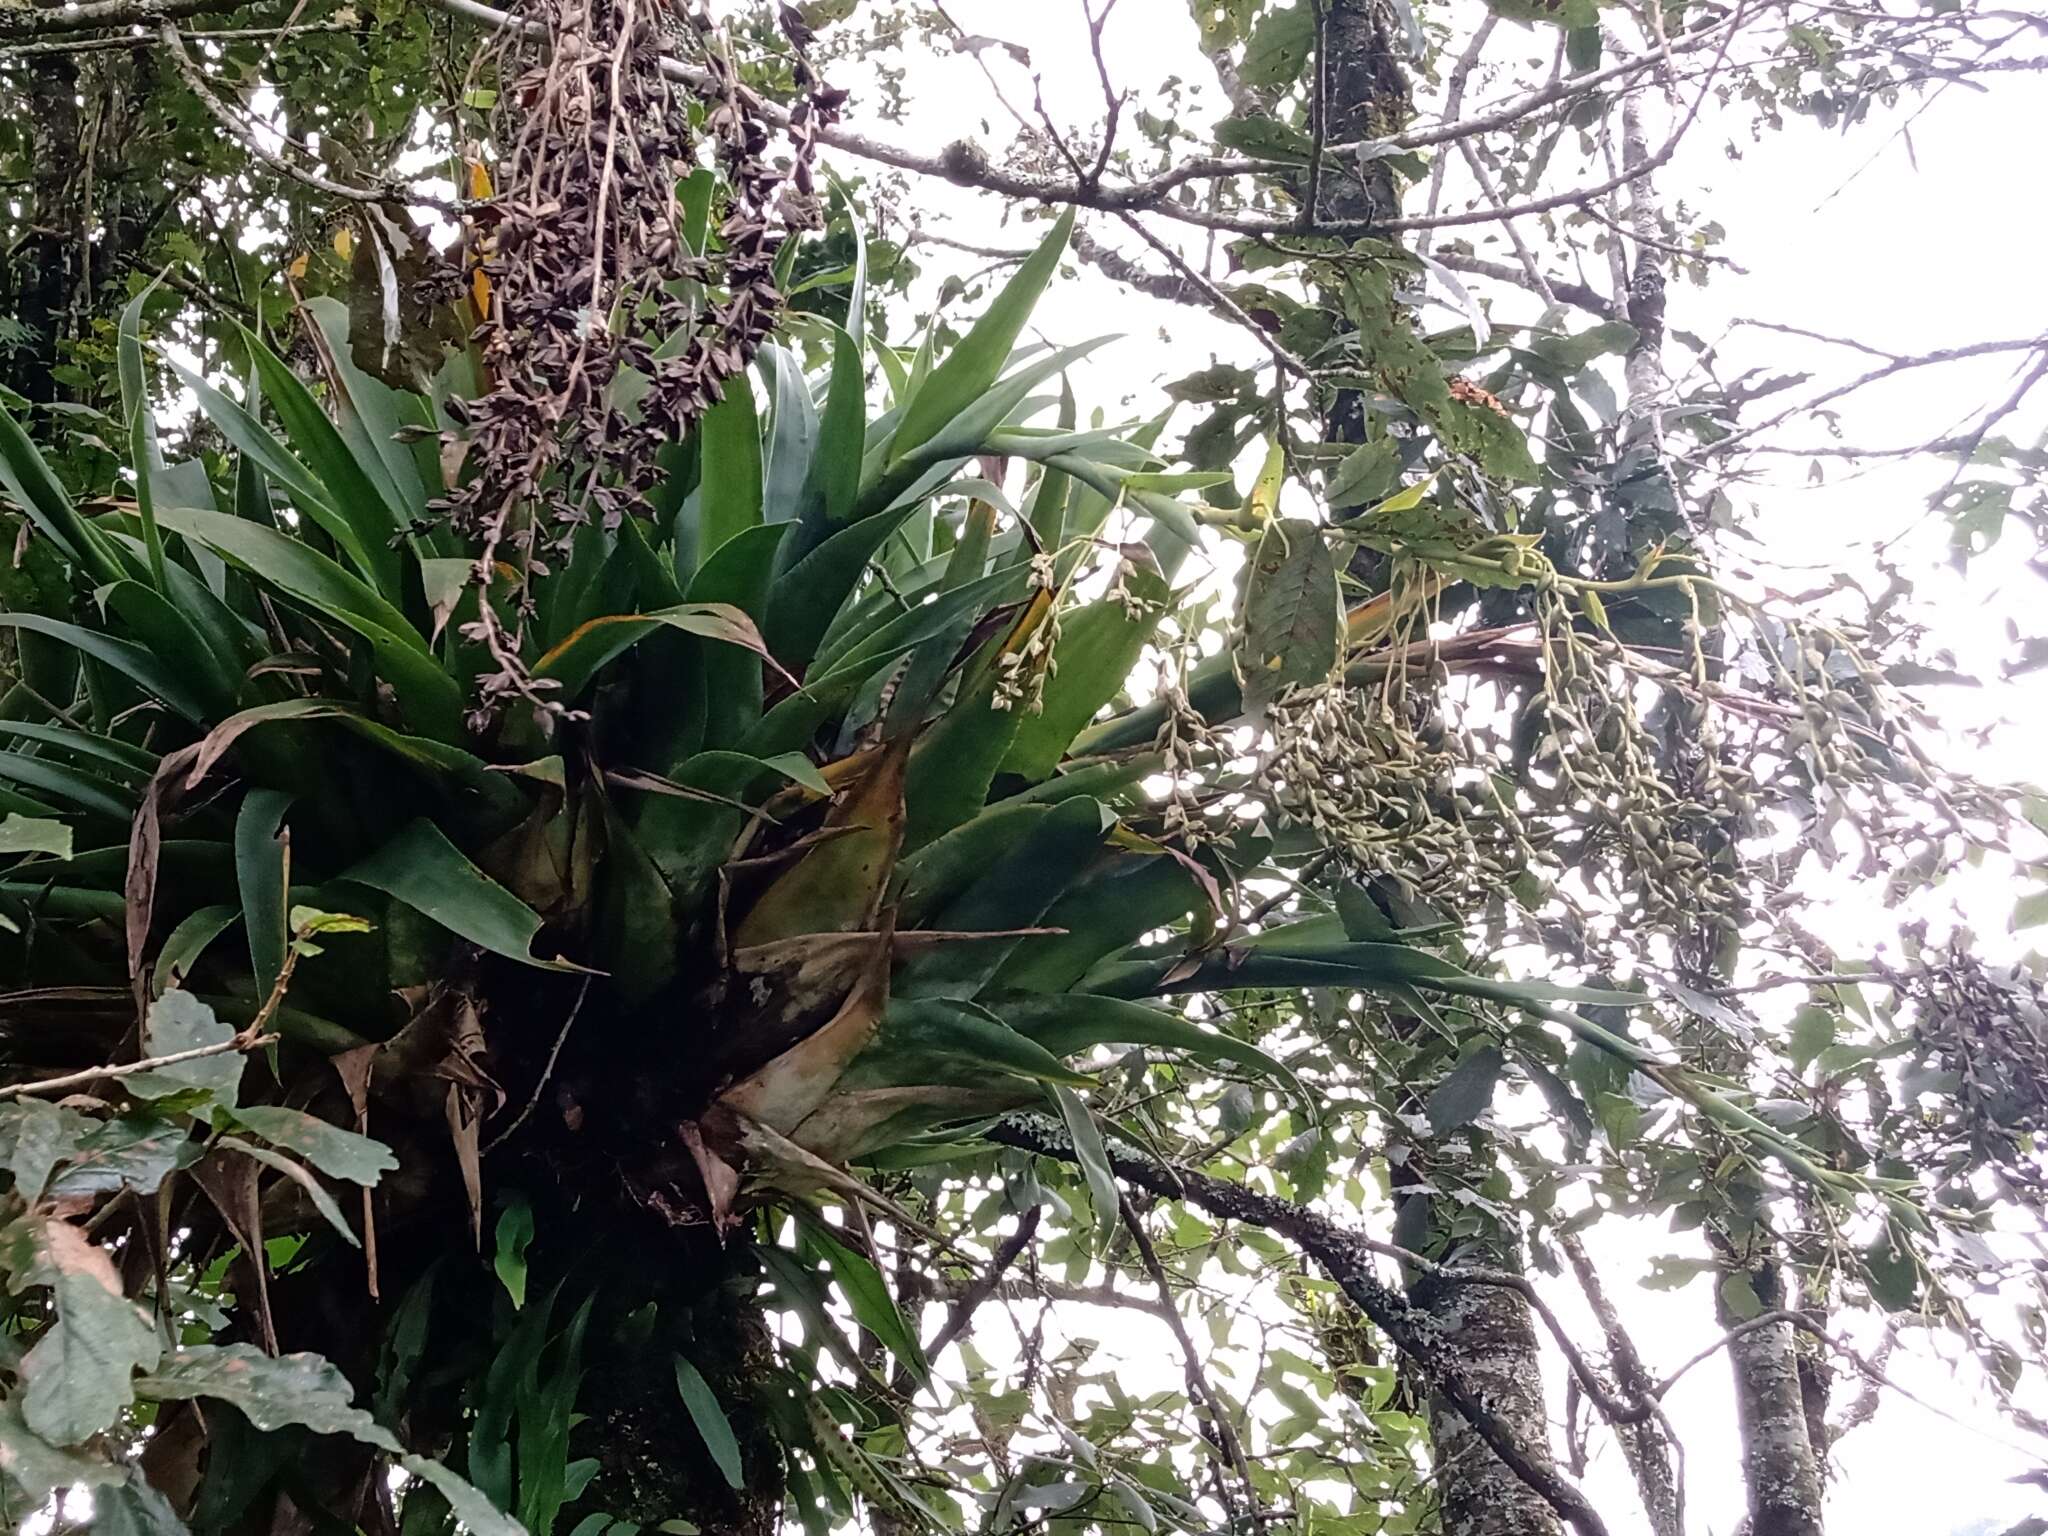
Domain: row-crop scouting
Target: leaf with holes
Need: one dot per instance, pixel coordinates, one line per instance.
(1288, 635)
(177, 1022)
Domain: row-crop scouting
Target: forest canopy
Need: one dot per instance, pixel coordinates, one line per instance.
(885, 766)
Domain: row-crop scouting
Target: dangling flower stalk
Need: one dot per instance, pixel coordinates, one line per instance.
(592, 279)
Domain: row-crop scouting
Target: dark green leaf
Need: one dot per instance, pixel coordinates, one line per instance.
(1266, 138)
(1367, 475)
(1067, 1023)
(972, 366)
(710, 1420)
(188, 941)
(421, 868)
(1464, 1096)
(867, 1293)
(1093, 1157)
(349, 486)
(431, 698)
(597, 641)
(261, 859)
(729, 494)
(153, 674)
(1291, 613)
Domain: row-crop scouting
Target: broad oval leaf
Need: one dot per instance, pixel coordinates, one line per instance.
(1291, 613)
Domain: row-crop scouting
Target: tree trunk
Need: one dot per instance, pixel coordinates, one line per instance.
(581, 1369)
(1495, 1339)
(1778, 1461)
(653, 1464)
(44, 272)
(1365, 96)
(1491, 1332)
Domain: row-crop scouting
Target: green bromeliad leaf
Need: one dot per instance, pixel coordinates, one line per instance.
(972, 366)
(421, 868)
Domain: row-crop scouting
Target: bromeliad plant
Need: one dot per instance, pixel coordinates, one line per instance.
(789, 866)
(783, 867)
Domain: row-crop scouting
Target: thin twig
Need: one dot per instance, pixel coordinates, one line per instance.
(155, 40)
(248, 136)
(961, 1313)
(1200, 1390)
(1862, 381)
(547, 1070)
(1454, 100)
(242, 1041)
(1222, 301)
(1492, 194)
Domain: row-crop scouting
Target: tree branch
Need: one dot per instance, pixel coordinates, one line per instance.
(1200, 1391)
(1346, 1256)
(28, 21)
(1578, 295)
(965, 165)
(250, 1039)
(1647, 1446)
(961, 1313)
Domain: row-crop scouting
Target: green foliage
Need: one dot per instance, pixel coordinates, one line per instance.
(365, 833)
(820, 830)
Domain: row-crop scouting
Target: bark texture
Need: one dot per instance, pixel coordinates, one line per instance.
(1493, 1336)
(1778, 1461)
(1495, 1341)
(1365, 96)
(652, 1461)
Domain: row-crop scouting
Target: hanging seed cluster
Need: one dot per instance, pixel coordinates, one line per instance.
(1378, 774)
(1643, 776)
(608, 335)
(1666, 815)
(1987, 1025)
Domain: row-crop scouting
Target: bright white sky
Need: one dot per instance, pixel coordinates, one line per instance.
(1934, 248)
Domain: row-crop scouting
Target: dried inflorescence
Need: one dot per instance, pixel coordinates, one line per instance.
(609, 336)
(1988, 1026)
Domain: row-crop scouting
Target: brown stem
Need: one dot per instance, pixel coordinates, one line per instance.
(1646, 1444)
(1222, 1432)
(1346, 1257)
